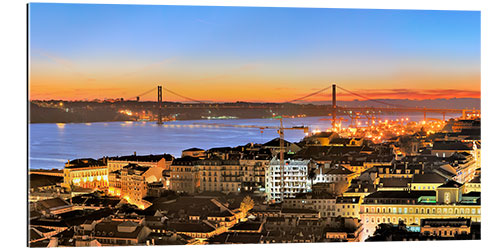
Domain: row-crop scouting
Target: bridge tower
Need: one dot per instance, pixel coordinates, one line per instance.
(334, 105)
(160, 117)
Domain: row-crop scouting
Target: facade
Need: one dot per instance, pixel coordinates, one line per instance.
(135, 180)
(347, 207)
(254, 173)
(86, 173)
(411, 207)
(445, 227)
(334, 175)
(295, 179)
(219, 175)
(184, 175)
(324, 203)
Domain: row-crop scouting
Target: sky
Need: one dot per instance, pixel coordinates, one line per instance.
(227, 54)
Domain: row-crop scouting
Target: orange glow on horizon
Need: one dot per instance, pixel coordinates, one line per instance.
(247, 84)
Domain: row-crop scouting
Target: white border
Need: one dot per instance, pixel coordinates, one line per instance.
(13, 51)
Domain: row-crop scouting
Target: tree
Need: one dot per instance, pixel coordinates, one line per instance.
(247, 204)
(311, 174)
(72, 188)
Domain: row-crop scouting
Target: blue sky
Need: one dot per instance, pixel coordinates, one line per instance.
(268, 44)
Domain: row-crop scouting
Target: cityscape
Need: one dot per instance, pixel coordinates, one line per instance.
(255, 154)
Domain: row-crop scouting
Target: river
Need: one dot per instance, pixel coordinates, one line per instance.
(51, 145)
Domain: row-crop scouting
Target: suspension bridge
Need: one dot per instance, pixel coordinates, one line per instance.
(354, 113)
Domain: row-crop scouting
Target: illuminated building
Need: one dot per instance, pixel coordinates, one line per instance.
(474, 185)
(448, 201)
(446, 227)
(86, 173)
(117, 163)
(347, 207)
(135, 180)
(334, 175)
(184, 175)
(115, 183)
(254, 172)
(220, 175)
(192, 175)
(460, 125)
(295, 179)
(465, 166)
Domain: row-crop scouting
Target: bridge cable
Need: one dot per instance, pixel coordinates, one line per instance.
(369, 99)
(309, 95)
(184, 97)
(147, 92)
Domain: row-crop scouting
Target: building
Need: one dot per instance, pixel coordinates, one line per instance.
(450, 227)
(445, 149)
(161, 161)
(134, 182)
(322, 202)
(347, 207)
(220, 175)
(52, 206)
(112, 232)
(465, 166)
(461, 125)
(184, 175)
(344, 230)
(411, 207)
(295, 179)
(334, 174)
(86, 172)
(254, 172)
(427, 181)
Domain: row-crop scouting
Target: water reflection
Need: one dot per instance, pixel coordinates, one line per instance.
(50, 144)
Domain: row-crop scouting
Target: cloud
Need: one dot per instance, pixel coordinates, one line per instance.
(404, 93)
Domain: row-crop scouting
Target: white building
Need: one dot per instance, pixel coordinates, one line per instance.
(295, 179)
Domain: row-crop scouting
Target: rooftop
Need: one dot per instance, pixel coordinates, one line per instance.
(142, 158)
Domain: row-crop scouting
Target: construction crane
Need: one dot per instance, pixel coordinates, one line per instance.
(281, 132)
